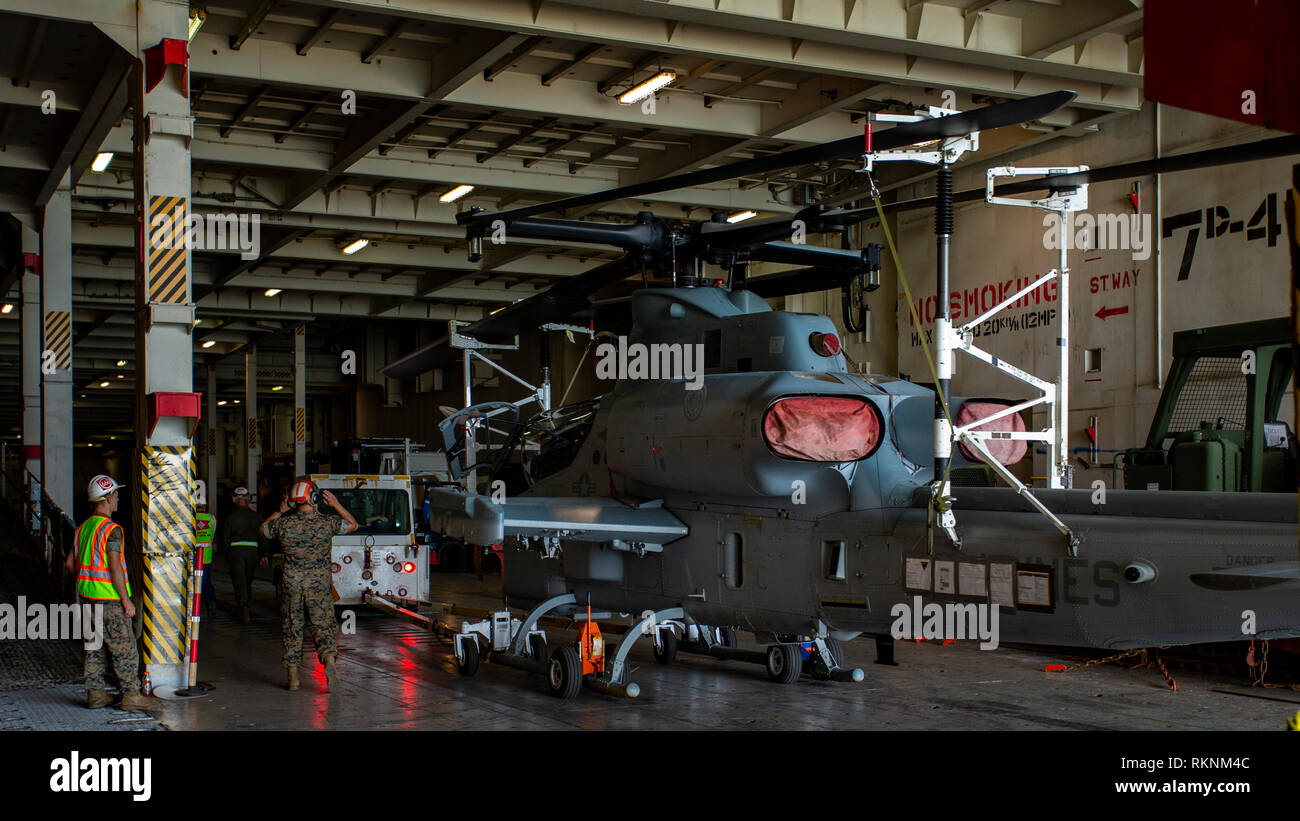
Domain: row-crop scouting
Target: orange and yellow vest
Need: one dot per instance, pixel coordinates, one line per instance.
(93, 579)
(203, 535)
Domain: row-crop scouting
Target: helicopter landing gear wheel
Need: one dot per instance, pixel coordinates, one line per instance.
(784, 663)
(564, 676)
(668, 652)
(468, 664)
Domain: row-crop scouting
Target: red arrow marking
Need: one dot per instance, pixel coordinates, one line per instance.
(1106, 312)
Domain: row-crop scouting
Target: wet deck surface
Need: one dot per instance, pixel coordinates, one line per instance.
(397, 676)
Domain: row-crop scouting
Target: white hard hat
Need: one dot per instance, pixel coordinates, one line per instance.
(100, 487)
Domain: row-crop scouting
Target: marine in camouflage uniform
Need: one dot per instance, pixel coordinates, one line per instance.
(306, 536)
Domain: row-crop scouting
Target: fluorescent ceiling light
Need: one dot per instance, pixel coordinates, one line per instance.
(208, 343)
(197, 17)
(741, 216)
(353, 247)
(278, 388)
(104, 384)
(221, 403)
(274, 291)
(456, 193)
(101, 162)
(9, 306)
(642, 90)
(121, 363)
(235, 401)
(120, 376)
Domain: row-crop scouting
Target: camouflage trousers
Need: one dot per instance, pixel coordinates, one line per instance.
(119, 641)
(307, 599)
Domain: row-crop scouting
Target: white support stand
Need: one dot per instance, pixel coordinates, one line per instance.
(1054, 394)
(541, 394)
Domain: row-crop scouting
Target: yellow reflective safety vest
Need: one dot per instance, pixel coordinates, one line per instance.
(203, 530)
(93, 578)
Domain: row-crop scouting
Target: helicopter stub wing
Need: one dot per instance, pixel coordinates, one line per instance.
(476, 519)
(623, 525)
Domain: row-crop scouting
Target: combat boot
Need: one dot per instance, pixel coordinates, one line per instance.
(331, 672)
(293, 677)
(135, 700)
(98, 698)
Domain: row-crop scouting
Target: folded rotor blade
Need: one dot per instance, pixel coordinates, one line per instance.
(956, 125)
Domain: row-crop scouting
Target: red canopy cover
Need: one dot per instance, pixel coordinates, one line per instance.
(822, 428)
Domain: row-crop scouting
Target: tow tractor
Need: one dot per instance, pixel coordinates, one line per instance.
(382, 556)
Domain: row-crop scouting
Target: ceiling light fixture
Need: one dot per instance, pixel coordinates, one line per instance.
(235, 401)
(741, 216)
(278, 388)
(101, 162)
(355, 245)
(197, 18)
(208, 343)
(9, 306)
(221, 403)
(121, 363)
(456, 193)
(640, 91)
(274, 291)
(104, 384)
(121, 376)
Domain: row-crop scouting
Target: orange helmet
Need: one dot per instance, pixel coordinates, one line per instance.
(304, 492)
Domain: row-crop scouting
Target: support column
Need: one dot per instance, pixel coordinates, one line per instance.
(210, 439)
(56, 349)
(31, 346)
(253, 441)
(163, 489)
(300, 400)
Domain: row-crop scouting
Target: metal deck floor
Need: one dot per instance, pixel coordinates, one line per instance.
(398, 677)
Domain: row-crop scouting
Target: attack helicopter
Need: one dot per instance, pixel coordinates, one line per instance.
(787, 495)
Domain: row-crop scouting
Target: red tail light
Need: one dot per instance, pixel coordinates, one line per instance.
(408, 567)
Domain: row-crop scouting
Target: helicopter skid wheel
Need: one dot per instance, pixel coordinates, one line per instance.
(666, 651)
(784, 663)
(468, 664)
(564, 676)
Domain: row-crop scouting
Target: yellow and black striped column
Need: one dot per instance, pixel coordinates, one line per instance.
(163, 127)
(167, 475)
(58, 339)
(300, 400)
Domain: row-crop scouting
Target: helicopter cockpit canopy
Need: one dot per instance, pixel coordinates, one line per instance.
(822, 428)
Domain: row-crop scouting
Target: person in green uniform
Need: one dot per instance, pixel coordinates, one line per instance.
(306, 536)
(243, 550)
(102, 580)
(204, 530)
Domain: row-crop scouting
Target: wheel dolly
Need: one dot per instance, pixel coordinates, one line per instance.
(504, 639)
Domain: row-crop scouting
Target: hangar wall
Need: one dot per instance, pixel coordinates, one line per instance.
(1239, 275)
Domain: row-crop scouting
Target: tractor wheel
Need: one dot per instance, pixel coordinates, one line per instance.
(565, 673)
(668, 653)
(468, 666)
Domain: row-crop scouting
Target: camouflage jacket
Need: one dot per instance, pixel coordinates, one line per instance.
(306, 537)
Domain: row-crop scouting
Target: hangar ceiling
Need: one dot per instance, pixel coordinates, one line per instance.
(517, 98)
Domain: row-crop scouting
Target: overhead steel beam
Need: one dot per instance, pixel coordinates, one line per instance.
(618, 78)
(28, 62)
(398, 30)
(516, 54)
(509, 142)
(320, 32)
(246, 111)
(250, 25)
(273, 239)
(563, 70)
(451, 68)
